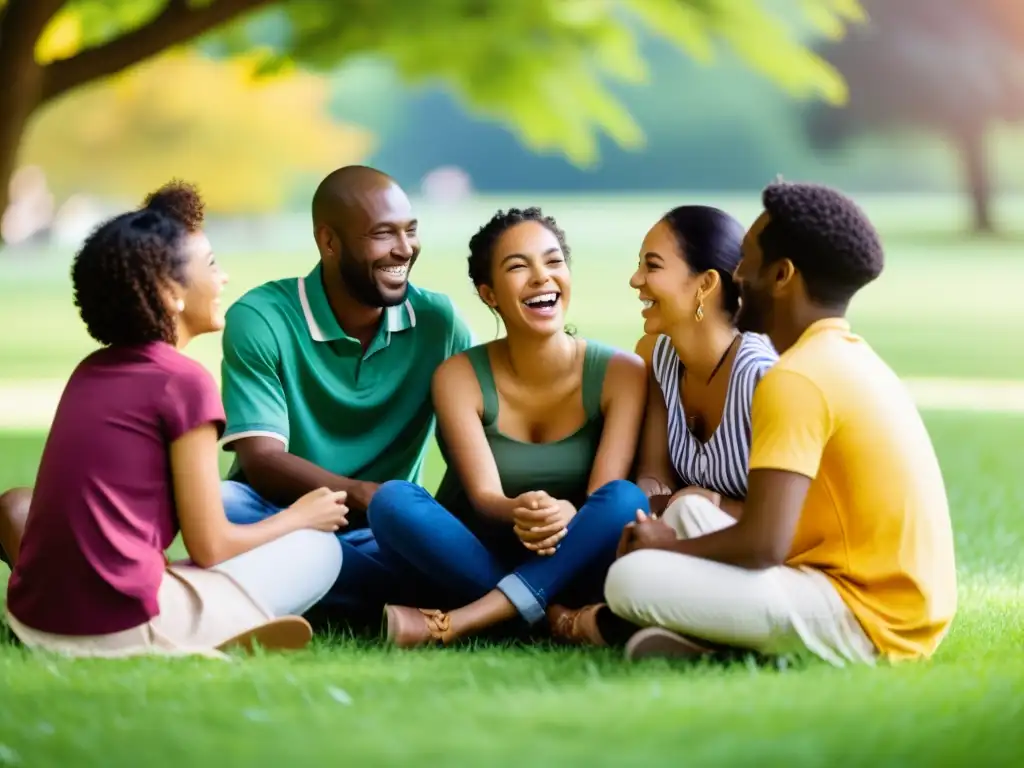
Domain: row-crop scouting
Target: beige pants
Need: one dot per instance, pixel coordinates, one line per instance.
(200, 608)
(776, 611)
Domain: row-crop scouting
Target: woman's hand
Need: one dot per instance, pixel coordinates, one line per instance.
(541, 521)
(321, 510)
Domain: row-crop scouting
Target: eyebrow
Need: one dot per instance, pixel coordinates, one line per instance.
(395, 224)
(548, 252)
(653, 255)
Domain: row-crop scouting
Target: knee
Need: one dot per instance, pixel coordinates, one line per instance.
(394, 503)
(322, 555)
(14, 503)
(622, 499)
(624, 577)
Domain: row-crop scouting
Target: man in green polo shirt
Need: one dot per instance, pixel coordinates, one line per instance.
(326, 378)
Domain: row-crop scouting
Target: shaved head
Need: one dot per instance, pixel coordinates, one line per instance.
(366, 233)
(344, 189)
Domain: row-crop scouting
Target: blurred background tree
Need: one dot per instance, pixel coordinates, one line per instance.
(540, 66)
(950, 68)
(213, 127)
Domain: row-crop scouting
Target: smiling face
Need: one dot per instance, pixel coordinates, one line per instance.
(668, 289)
(531, 282)
(373, 245)
(204, 283)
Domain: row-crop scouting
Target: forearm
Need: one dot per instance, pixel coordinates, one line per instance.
(494, 506)
(734, 545)
(732, 507)
(233, 540)
(282, 478)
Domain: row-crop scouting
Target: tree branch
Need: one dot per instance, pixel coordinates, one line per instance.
(22, 21)
(176, 24)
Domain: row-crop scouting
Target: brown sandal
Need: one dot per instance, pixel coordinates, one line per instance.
(407, 627)
(288, 633)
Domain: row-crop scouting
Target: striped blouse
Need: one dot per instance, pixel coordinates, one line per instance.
(721, 463)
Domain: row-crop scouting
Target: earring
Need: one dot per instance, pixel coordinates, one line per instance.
(180, 306)
(699, 314)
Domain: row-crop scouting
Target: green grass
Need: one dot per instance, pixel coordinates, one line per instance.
(942, 309)
(352, 702)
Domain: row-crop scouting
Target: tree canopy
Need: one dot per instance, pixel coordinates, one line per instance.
(539, 66)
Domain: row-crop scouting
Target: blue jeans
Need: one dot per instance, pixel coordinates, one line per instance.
(366, 582)
(410, 525)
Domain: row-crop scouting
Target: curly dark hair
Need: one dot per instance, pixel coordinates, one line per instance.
(179, 200)
(826, 235)
(710, 239)
(119, 271)
(481, 245)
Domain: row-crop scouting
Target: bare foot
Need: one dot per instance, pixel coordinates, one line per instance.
(13, 515)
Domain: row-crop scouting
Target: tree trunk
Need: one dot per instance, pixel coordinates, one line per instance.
(21, 23)
(971, 144)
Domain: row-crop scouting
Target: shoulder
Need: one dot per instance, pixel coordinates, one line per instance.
(462, 366)
(274, 297)
(186, 372)
(756, 354)
(622, 369)
(431, 306)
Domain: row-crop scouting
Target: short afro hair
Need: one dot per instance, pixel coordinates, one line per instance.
(481, 245)
(121, 268)
(826, 235)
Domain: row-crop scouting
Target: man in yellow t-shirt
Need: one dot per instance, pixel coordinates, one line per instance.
(844, 546)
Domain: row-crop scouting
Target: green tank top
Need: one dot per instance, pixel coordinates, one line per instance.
(561, 468)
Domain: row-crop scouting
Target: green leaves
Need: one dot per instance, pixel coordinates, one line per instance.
(542, 67)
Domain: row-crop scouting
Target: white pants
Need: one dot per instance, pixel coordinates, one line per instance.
(775, 611)
(200, 608)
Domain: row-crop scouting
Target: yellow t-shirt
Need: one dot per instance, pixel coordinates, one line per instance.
(876, 518)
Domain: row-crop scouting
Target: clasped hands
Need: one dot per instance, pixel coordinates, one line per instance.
(541, 521)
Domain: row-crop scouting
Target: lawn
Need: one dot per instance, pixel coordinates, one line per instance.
(943, 309)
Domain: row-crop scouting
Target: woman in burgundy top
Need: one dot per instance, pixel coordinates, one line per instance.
(131, 459)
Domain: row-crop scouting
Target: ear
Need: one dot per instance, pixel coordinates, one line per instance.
(486, 294)
(173, 297)
(783, 276)
(709, 283)
(326, 240)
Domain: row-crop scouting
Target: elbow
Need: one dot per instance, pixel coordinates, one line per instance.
(206, 555)
(769, 554)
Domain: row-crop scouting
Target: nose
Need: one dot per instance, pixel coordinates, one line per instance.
(637, 280)
(404, 248)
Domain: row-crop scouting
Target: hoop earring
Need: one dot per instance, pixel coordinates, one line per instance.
(699, 314)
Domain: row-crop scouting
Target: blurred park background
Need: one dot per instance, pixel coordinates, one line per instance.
(607, 113)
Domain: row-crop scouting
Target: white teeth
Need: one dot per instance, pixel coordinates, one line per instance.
(398, 270)
(544, 298)
(647, 303)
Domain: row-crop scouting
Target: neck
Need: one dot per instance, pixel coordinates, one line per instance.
(184, 337)
(700, 347)
(355, 318)
(793, 324)
(541, 359)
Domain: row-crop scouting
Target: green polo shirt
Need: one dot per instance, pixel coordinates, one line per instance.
(290, 372)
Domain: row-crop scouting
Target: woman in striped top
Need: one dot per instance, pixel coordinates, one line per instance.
(702, 374)
(702, 370)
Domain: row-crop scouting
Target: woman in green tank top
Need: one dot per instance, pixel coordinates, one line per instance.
(539, 431)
